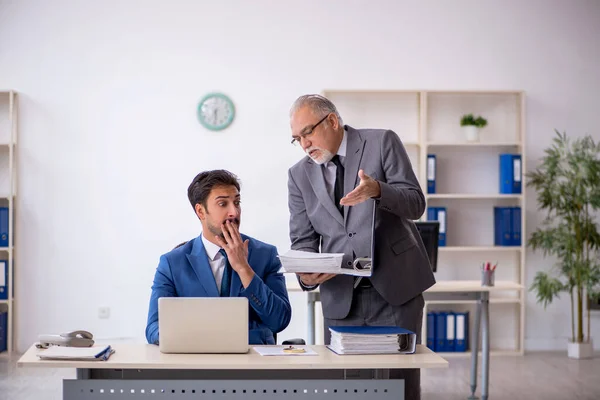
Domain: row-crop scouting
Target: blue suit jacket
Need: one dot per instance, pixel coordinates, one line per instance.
(185, 272)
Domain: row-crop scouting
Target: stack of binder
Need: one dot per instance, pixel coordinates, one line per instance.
(447, 331)
(372, 340)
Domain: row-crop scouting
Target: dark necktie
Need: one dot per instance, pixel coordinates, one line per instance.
(226, 281)
(338, 192)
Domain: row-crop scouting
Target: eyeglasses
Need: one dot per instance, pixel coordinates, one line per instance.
(308, 132)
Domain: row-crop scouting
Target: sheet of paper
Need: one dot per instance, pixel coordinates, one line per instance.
(308, 255)
(278, 351)
(295, 261)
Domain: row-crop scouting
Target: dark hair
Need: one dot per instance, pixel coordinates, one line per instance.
(204, 182)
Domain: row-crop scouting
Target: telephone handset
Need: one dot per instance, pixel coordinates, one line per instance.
(67, 339)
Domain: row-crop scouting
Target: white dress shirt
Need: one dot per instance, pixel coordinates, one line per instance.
(329, 167)
(216, 261)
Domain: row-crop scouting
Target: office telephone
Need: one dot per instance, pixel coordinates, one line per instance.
(67, 339)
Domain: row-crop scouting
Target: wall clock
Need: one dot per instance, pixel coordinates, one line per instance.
(216, 111)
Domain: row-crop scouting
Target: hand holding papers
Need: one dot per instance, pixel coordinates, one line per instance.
(295, 261)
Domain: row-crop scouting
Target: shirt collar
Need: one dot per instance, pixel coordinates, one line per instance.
(212, 250)
(342, 149)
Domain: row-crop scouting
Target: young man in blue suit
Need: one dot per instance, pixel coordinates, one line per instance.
(221, 262)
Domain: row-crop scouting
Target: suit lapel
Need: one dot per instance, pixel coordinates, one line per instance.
(317, 181)
(354, 151)
(199, 261)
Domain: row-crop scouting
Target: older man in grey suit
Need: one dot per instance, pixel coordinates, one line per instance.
(332, 193)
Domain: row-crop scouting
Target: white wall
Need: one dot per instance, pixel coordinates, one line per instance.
(109, 139)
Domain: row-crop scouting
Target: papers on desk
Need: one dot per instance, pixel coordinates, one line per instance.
(94, 353)
(372, 340)
(295, 261)
(279, 351)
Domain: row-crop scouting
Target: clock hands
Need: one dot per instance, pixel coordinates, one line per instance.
(215, 111)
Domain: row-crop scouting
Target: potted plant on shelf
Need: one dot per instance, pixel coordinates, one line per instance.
(472, 125)
(567, 183)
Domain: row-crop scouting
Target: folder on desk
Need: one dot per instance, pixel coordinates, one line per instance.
(372, 340)
(510, 174)
(94, 353)
(3, 280)
(439, 214)
(431, 170)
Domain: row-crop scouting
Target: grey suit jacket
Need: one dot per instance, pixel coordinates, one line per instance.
(401, 268)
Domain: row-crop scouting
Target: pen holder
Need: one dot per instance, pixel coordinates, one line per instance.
(487, 277)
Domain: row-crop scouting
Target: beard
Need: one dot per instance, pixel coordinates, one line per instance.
(216, 230)
(324, 156)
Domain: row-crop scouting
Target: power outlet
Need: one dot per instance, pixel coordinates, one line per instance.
(104, 312)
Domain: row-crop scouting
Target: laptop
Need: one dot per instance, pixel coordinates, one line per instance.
(203, 324)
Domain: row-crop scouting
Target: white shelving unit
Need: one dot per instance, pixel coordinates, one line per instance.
(8, 193)
(467, 180)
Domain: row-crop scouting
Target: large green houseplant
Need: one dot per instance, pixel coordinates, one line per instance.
(567, 183)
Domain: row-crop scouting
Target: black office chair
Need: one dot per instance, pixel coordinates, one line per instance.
(289, 342)
(297, 341)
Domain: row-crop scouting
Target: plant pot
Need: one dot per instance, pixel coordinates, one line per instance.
(471, 133)
(580, 350)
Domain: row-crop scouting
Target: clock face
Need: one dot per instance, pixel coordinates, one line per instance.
(216, 111)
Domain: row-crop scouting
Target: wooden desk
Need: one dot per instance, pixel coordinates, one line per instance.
(446, 291)
(141, 369)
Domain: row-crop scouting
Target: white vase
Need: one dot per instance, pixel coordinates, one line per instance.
(580, 350)
(471, 133)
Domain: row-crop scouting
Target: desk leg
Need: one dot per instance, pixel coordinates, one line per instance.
(311, 300)
(475, 350)
(485, 344)
(83, 373)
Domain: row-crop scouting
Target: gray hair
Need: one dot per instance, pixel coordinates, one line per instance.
(319, 104)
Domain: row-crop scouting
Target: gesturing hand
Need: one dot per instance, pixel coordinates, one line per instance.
(234, 246)
(366, 189)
